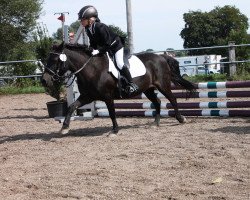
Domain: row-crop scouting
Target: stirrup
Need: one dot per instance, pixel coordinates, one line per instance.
(131, 88)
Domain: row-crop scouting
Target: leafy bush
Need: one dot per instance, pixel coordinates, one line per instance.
(208, 78)
(22, 86)
(219, 77)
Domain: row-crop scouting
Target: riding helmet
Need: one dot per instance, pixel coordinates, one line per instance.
(87, 12)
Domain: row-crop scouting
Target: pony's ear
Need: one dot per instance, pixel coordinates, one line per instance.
(60, 47)
(57, 47)
(54, 47)
(88, 49)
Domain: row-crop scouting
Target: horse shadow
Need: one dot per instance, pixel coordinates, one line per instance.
(81, 132)
(102, 130)
(236, 129)
(239, 130)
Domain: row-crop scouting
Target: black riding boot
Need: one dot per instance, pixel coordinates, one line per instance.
(131, 87)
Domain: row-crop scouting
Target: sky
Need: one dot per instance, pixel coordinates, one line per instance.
(156, 24)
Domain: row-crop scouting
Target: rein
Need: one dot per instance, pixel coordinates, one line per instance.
(76, 72)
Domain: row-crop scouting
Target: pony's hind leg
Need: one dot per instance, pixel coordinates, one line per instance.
(111, 108)
(170, 96)
(150, 94)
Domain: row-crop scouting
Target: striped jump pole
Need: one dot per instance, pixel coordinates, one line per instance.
(225, 108)
(212, 94)
(171, 113)
(214, 85)
(166, 105)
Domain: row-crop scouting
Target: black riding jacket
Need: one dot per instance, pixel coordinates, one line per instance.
(103, 38)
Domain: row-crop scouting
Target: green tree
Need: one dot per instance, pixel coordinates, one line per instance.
(43, 43)
(58, 36)
(119, 32)
(23, 51)
(176, 53)
(217, 27)
(17, 21)
(75, 25)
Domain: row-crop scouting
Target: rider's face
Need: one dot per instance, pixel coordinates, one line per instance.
(84, 22)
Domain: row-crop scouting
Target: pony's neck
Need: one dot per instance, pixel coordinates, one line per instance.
(76, 59)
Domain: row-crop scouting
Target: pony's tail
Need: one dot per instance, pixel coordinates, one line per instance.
(176, 77)
(189, 86)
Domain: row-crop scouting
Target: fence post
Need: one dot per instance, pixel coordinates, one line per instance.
(66, 34)
(232, 66)
(129, 26)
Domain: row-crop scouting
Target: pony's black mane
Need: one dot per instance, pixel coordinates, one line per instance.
(79, 47)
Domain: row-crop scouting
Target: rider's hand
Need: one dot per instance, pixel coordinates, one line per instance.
(95, 52)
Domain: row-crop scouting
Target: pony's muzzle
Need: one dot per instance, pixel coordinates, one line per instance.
(46, 80)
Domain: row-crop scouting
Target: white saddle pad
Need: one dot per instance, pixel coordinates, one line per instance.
(136, 69)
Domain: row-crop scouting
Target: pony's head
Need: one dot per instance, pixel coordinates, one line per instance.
(54, 71)
(58, 63)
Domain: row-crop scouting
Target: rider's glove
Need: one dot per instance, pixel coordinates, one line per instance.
(95, 52)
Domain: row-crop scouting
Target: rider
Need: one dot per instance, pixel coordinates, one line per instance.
(103, 39)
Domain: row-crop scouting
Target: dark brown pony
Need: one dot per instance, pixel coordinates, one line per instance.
(96, 83)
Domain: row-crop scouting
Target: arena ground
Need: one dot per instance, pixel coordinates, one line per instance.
(206, 158)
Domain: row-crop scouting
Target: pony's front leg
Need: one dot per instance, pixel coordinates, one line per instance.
(65, 128)
(111, 108)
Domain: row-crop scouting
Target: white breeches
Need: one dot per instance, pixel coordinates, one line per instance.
(119, 58)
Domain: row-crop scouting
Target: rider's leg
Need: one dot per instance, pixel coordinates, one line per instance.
(125, 71)
(132, 86)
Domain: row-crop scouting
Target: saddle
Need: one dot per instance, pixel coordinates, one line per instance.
(135, 66)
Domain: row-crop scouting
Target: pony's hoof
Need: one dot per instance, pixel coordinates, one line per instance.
(181, 119)
(64, 131)
(156, 123)
(184, 120)
(115, 131)
(112, 135)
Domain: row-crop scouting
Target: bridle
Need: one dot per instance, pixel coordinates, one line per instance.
(57, 77)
